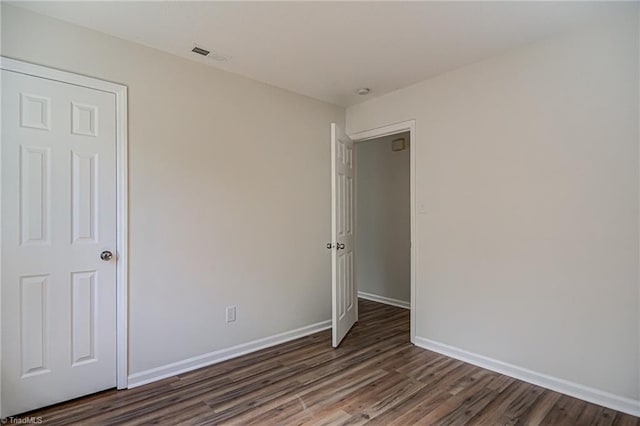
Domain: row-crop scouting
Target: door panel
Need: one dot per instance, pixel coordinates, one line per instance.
(58, 215)
(344, 293)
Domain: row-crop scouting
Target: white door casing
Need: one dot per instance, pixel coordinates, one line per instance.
(62, 316)
(344, 295)
(392, 129)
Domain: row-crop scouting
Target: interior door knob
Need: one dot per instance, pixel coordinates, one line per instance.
(106, 255)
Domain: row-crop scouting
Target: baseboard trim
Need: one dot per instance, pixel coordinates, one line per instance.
(189, 364)
(385, 300)
(576, 390)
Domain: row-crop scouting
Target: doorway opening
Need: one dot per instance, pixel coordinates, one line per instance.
(345, 218)
(383, 220)
(405, 127)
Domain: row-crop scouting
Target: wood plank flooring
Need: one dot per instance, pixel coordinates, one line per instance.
(376, 377)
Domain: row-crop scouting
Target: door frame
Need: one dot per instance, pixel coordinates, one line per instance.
(122, 194)
(392, 129)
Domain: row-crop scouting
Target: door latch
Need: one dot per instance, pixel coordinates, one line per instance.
(337, 246)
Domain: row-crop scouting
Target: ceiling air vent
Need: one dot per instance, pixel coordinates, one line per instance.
(200, 51)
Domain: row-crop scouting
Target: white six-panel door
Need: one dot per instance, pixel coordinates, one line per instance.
(344, 311)
(58, 216)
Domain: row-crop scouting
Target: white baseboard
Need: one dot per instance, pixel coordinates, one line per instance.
(179, 367)
(576, 390)
(385, 300)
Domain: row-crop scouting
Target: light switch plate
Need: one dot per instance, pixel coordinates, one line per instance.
(231, 313)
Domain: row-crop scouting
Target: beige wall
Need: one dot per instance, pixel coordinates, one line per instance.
(383, 225)
(527, 164)
(229, 192)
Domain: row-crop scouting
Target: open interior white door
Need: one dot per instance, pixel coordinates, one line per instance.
(344, 307)
(58, 241)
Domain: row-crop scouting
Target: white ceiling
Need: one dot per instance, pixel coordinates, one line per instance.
(327, 50)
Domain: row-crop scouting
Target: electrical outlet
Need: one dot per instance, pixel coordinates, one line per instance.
(231, 313)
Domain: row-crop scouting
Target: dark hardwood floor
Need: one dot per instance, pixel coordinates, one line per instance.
(375, 377)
